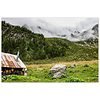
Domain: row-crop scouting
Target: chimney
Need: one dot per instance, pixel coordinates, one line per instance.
(17, 56)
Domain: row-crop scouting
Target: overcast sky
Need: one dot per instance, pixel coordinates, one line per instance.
(57, 21)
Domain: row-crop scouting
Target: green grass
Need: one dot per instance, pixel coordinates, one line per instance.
(69, 58)
(81, 73)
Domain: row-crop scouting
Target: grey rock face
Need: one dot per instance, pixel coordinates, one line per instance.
(58, 70)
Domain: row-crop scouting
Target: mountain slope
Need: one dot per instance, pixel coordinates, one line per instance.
(33, 46)
(91, 33)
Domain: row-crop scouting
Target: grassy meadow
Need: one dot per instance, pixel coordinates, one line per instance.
(85, 71)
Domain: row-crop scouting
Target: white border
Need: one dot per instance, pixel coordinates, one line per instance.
(50, 8)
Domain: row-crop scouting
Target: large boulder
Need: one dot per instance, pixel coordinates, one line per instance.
(58, 70)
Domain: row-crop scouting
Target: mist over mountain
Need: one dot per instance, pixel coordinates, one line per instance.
(80, 33)
(73, 30)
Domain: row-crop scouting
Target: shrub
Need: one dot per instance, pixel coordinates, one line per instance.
(86, 65)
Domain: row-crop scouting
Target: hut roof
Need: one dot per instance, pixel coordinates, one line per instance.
(9, 60)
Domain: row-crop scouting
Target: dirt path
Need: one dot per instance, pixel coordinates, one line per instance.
(66, 63)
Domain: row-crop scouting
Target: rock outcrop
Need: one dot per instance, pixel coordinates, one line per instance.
(58, 70)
